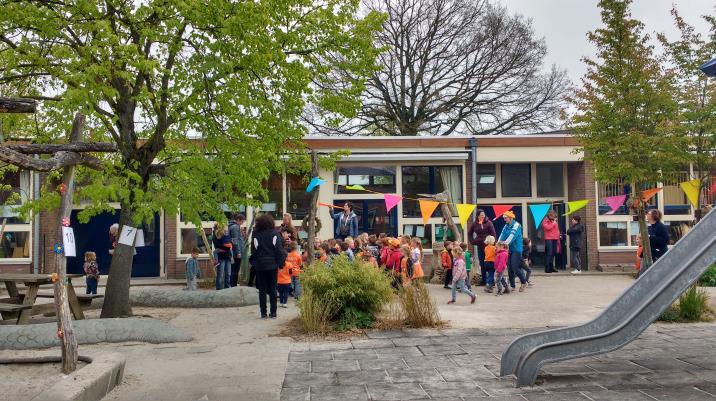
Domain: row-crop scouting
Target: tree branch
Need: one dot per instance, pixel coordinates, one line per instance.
(8, 105)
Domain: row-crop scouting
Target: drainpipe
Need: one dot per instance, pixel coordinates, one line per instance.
(473, 157)
(36, 223)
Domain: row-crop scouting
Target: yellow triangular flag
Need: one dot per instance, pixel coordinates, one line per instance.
(427, 208)
(576, 205)
(692, 188)
(463, 212)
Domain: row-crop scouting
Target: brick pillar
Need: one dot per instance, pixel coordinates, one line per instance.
(580, 181)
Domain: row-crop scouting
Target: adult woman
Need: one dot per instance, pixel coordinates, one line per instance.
(287, 230)
(222, 245)
(550, 228)
(476, 234)
(267, 256)
(346, 222)
(658, 234)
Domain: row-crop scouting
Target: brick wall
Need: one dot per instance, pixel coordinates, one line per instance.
(175, 265)
(580, 182)
(48, 237)
(620, 257)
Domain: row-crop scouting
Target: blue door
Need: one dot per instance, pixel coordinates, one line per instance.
(94, 236)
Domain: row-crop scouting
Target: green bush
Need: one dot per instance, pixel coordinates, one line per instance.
(670, 315)
(315, 312)
(708, 279)
(694, 305)
(356, 290)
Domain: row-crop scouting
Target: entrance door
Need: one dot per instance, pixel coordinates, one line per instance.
(372, 216)
(94, 236)
(537, 236)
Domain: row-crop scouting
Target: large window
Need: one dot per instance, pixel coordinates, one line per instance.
(613, 233)
(516, 180)
(486, 181)
(419, 182)
(550, 180)
(16, 239)
(297, 199)
(675, 201)
(424, 232)
(376, 178)
(274, 186)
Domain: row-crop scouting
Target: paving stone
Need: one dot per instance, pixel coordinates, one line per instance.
(338, 393)
(390, 392)
(663, 364)
(334, 366)
(334, 346)
(422, 333)
(308, 379)
(373, 343)
(679, 394)
(573, 396)
(473, 360)
(465, 373)
(567, 368)
(621, 382)
(505, 387)
(704, 362)
(398, 352)
(672, 379)
(496, 398)
(362, 377)
(567, 383)
(458, 389)
(435, 361)
(446, 349)
(707, 387)
(295, 394)
(412, 341)
(355, 354)
(632, 395)
(463, 332)
(384, 334)
(298, 367)
(617, 367)
(302, 356)
(426, 375)
(381, 364)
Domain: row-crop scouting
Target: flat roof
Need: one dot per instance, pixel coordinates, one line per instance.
(556, 138)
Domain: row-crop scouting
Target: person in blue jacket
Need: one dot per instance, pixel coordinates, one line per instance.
(658, 234)
(346, 222)
(512, 236)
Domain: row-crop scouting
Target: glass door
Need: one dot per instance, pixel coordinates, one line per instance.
(372, 216)
(536, 235)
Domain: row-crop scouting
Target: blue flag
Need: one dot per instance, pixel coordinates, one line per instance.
(315, 181)
(539, 211)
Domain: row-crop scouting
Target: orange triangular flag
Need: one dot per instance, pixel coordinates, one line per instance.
(427, 208)
(649, 193)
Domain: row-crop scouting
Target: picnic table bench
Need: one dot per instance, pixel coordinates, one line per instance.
(21, 306)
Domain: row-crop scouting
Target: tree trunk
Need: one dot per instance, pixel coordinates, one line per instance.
(644, 232)
(313, 209)
(62, 306)
(116, 296)
(444, 198)
(245, 269)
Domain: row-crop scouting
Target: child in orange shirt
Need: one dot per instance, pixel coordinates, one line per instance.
(490, 262)
(293, 261)
(296, 261)
(406, 265)
(446, 261)
(639, 253)
(416, 256)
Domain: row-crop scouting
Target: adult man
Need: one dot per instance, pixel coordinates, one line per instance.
(346, 222)
(512, 236)
(238, 242)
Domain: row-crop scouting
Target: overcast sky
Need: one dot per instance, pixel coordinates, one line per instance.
(565, 23)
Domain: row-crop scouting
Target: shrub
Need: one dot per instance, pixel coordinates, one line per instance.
(356, 290)
(315, 312)
(708, 279)
(418, 306)
(670, 315)
(694, 305)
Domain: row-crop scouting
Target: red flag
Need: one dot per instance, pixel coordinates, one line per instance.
(649, 193)
(499, 209)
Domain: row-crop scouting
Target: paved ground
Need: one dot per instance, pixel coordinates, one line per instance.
(668, 362)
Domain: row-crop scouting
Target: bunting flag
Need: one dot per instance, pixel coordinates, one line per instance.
(427, 208)
(539, 211)
(355, 187)
(649, 193)
(329, 205)
(315, 182)
(576, 205)
(499, 209)
(464, 210)
(614, 202)
(692, 188)
(391, 200)
(712, 191)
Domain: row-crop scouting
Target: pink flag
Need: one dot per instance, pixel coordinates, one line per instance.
(614, 202)
(391, 200)
(712, 191)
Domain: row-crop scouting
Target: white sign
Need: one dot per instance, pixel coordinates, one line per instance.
(68, 241)
(139, 241)
(127, 236)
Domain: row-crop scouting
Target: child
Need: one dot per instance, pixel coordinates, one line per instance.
(294, 261)
(459, 275)
(575, 243)
(192, 269)
(526, 260)
(367, 256)
(393, 260)
(416, 256)
(468, 264)
(284, 279)
(348, 248)
(406, 265)
(639, 253)
(92, 272)
(490, 262)
(500, 267)
(446, 261)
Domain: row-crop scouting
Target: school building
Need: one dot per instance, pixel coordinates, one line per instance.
(504, 170)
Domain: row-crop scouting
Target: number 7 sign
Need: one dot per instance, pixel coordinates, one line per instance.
(127, 235)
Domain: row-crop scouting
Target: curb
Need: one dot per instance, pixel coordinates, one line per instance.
(90, 383)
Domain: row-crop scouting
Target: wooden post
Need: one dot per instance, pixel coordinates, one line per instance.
(447, 214)
(313, 210)
(62, 307)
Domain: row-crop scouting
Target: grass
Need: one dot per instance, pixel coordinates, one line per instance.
(708, 279)
(692, 306)
(418, 306)
(316, 312)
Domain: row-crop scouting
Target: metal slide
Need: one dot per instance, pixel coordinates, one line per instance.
(625, 318)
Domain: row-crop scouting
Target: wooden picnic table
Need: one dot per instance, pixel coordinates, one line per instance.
(33, 283)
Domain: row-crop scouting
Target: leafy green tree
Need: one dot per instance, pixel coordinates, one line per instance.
(695, 94)
(624, 109)
(201, 97)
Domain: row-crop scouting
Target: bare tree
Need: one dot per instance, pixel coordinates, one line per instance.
(449, 66)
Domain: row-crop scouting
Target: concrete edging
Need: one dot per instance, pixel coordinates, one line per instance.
(90, 383)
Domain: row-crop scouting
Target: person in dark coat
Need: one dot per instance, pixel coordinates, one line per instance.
(658, 234)
(476, 234)
(576, 233)
(267, 256)
(238, 242)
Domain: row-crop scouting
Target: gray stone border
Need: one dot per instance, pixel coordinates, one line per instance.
(177, 298)
(90, 383)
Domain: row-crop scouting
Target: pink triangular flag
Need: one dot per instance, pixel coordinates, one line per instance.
(712, 191)
(614, 202)
(391, 200)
